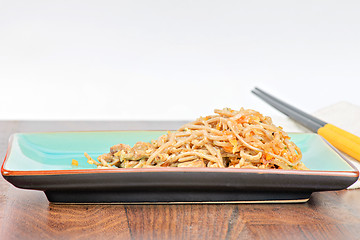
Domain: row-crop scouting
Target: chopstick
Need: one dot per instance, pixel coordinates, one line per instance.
(339, 138)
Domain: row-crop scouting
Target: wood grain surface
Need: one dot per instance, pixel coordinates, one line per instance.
(26, 214)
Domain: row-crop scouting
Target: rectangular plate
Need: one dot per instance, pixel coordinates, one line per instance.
(42, 161)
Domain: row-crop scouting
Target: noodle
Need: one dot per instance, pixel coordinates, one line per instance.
(229, 139)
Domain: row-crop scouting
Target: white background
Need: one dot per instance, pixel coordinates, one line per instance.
(167, 60)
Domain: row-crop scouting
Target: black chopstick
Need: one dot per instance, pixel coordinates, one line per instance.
(322, 123)
(296, 114)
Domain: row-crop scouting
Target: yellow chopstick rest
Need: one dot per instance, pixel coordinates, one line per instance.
(341, 139)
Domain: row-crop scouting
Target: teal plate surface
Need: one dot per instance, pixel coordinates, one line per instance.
(42, 161)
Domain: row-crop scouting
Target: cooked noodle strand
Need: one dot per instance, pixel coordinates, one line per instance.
(237, 139)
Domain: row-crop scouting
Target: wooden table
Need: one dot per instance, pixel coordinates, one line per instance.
(26, 214)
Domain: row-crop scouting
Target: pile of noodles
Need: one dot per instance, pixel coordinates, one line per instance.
(233, 139)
